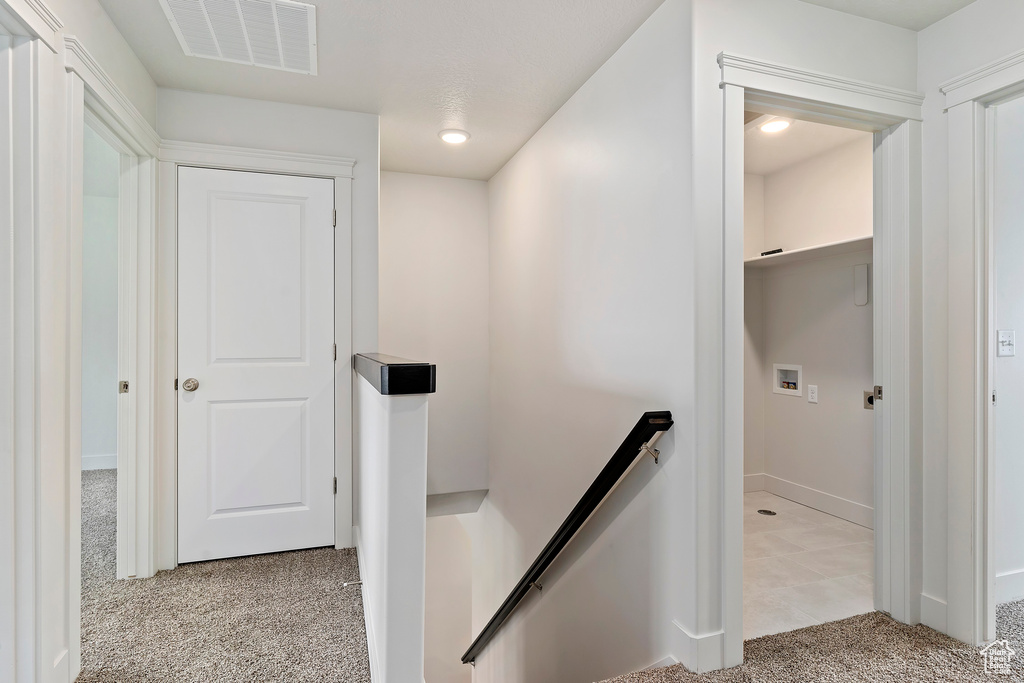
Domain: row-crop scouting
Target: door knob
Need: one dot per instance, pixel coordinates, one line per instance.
(191, 384)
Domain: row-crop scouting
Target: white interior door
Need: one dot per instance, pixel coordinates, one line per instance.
(256, 334)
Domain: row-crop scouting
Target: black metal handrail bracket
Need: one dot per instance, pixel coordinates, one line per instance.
(639, 442)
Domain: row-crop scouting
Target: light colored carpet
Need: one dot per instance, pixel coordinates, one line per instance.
(281, 617)
(871, 648)
(1010, 626)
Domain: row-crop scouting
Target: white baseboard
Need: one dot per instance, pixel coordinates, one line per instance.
(699, 654)
(753, 482)
(819, 500)
(1010, 586)
(933, 612)
(99, 462)
(371, 641)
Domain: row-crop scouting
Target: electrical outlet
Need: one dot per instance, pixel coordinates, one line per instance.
(812, 393)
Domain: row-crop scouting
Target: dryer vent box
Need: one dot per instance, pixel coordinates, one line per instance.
(276, 34)
(788, 380)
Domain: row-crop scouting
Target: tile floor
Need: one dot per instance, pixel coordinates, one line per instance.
(801, 567)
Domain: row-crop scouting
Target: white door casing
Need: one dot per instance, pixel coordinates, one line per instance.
(894, 116)
(256, 329)
(970, 567)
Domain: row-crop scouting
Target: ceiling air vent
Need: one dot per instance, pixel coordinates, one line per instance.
(277, 34)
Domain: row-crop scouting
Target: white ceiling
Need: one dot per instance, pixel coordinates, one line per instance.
(496, 68)
(912, 14)
(767, 153)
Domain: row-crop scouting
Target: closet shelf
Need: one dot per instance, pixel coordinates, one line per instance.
(809, 253)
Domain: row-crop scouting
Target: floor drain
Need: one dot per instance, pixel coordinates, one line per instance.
(770, 513)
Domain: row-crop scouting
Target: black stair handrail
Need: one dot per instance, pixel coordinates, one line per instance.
(635, 445)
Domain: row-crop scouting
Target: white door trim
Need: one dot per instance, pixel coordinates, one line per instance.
(92, 96)
(895, 116)
(109, 102)
(31, 18)
(971, 575)
(173, 154)
(20, 416)
(246, 159)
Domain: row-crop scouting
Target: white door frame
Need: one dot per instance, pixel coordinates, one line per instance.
(93, 97)
(894, 116)
(25, 653)
(172, 155)
(127, 324)
(971, 575)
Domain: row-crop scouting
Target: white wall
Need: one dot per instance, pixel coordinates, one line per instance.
(592, 222)
(89, 22)
(753, 379)
(819, 454)
(824, 199)
(591, 319)
(979, 34)
(390, 522)
(1007, 209)
(820, 200)
(753, 215)
(99, 303)
(434, 307)
(449, 598)
(257, 124)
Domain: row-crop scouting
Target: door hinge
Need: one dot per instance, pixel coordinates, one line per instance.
(335, 353)
(335, 218)
(335, 486)
(175, 383)
(122, 387)
(878, 393)
(993, 397)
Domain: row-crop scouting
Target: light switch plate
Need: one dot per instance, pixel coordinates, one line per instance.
(812, 393)
(1005, 345)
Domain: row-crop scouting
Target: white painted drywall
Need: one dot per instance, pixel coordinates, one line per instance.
(591, 325)
(434, 307)
(753, 215)
(824, 199)
(824, 451)
(449, 597)
(257, 124)
(979, 34)
(101, 177)
(390, 522)
(1007, 212)
(753, 380)
(593, 221)
(89, 22)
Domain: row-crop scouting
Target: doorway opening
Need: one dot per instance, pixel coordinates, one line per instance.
(103, 298)
(101, 353)
(808, 374)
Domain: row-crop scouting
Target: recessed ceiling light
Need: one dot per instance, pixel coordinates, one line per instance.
(454, 136)
(775, 125)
